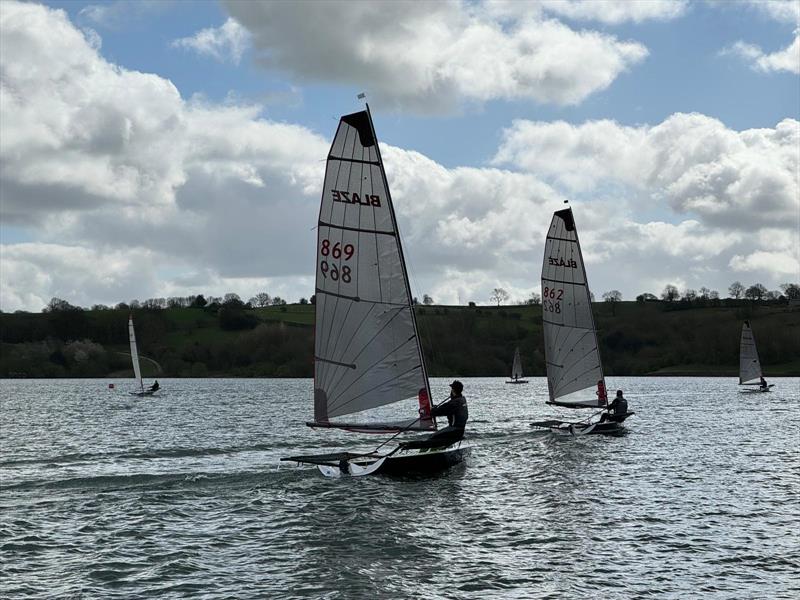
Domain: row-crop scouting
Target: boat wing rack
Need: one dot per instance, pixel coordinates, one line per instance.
(549, 423)
(333, 459)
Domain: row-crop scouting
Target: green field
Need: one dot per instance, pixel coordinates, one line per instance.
(277, 341)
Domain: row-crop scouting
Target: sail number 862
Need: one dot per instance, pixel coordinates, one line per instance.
(551, 300)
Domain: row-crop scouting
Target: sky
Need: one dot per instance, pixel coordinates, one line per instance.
(155, 148)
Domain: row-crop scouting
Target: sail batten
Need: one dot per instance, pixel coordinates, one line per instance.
(367, 351)
(572, 355)
(749, 364)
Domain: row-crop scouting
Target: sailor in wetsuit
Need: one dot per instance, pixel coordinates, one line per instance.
(155, 387)
(455, 409)
(617, 410)
(763, 383)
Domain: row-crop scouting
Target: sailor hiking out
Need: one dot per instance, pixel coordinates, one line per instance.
(457, 413)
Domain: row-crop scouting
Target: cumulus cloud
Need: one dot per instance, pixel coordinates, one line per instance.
(787, 59)
(784, 11)
(225, 43)
(114, 15)
(435, 55)
(611, 12)
(134, 192)
(695, 163)
(33, 273)
(777, 263)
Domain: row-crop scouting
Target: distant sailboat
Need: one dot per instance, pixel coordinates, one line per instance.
(516, 369)
(367, 352)
(139, 389)
(749, 365)
(572, 353)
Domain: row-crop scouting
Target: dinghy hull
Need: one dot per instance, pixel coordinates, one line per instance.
(401, 462)
(582, 428)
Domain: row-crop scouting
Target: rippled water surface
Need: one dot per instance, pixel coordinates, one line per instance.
(106, 496)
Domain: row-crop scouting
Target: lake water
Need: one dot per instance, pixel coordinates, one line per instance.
(106, 496)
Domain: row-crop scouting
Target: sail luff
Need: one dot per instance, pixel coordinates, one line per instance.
(137, 372)
(403, 263)
(749, 364)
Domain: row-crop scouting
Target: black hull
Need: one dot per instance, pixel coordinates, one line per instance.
(610, 427)
(423, 463)
(519, 381)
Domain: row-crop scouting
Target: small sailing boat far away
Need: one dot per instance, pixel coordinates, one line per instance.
(516, 369)
(749, 365)
(139, 389)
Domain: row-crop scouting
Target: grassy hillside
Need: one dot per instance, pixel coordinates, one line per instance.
(650, 338)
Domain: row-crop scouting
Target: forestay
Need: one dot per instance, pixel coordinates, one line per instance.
(571, 350)
(367, 352)
(516, 367)
(137, 371)
(749, 365)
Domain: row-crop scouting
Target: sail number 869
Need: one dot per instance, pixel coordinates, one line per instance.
(336, 251)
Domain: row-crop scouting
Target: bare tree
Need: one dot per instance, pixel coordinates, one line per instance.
(499, 295)
(791, 290)
(59, 305)
(427, 300)
(755, 292)
(261, 300)
(690, 295)
(670, 293)
(534, 299)
(613, 297)
(736, 290)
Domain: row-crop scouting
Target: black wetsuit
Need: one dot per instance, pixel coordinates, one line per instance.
(457, 415)
(616, 410)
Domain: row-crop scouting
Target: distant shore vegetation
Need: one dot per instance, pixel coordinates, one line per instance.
(689, 332)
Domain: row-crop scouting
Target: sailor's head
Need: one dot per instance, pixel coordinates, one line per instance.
(456, 387)
(619, 393)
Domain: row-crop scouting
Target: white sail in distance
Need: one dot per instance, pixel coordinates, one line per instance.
(137, 371)
(367, 352)
(749, 365)
(516, 367)
(570, 339)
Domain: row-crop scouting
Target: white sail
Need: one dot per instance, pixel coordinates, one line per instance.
(749, 365)
(367, 352)
(137, 372)
(570, 339)
(516, 367)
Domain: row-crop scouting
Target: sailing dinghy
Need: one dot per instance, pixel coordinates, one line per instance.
(516, 369)
(749, 365)
(367, 355)
(139, 389)
(570, 338)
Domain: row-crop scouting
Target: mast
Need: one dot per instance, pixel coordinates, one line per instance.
(403, 263)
